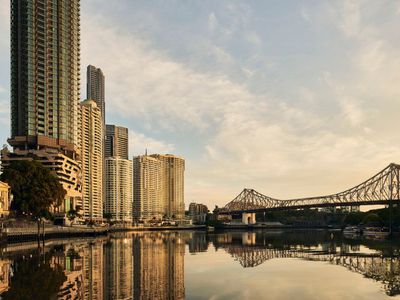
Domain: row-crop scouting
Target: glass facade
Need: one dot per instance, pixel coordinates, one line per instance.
(45, 73)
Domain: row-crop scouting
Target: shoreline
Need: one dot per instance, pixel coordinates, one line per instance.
(17, 235)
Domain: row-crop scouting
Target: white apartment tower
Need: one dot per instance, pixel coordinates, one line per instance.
(173, 177)
(119, 183)
(158, 187)
(147, 188)
(91, 148)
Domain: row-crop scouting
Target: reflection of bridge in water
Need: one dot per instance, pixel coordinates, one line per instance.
(385, 269)
(383, 188)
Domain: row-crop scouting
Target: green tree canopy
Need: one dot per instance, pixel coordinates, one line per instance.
(35, 189)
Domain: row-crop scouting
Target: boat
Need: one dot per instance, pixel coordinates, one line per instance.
(352, 230)
(210, 228)
(376, 232)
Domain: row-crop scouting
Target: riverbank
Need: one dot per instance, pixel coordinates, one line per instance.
(25, 234)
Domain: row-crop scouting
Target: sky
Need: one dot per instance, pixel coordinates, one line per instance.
(291, 98)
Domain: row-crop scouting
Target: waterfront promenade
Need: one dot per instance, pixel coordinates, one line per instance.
(30, 233)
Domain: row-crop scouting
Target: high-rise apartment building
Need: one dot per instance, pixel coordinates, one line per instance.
(158, 184)
(91, 148)
(95, 88)
(45, 62)
(45, 90)
(173, 169)
(116, 143)
(119, 183)
(148, 188)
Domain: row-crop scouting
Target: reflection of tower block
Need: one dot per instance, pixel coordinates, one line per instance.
(248, 218)
(249, 238)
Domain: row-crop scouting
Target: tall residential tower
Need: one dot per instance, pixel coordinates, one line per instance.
(95, 88)
(116, 144)
(91, 146)
(45, 62)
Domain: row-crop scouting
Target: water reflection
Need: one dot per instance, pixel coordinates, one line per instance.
(151, 265)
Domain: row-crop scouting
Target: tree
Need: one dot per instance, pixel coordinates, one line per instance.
(35, 188)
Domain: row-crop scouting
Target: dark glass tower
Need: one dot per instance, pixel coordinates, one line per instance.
(116, 143)
(45, 74)
(95, 88)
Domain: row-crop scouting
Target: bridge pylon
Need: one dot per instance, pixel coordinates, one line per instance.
(248, 218)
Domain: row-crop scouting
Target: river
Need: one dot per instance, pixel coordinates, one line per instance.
(197, 265)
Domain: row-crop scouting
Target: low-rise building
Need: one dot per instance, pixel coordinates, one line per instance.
(198, 212)
(5, 199)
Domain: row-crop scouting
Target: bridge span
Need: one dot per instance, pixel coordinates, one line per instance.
(382, 188)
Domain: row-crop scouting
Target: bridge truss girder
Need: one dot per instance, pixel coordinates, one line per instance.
(382, 188)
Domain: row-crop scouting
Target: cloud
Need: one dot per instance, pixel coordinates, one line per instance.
(212, 22)
(139, 143)
(234, 136)
(351, 18)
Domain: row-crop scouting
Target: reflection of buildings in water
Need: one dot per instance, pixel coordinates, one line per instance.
(71, 263)
(93, 270)
(198, 242)
(4, 275)
(158, 266)
(118, 263)
(83, 267)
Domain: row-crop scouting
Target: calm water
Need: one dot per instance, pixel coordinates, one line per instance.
(195, 265)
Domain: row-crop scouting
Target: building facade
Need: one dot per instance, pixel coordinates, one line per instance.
(67, 170)
(45, 83)
(198, 212)
(95, 88)
(148, 189)
(173, 169)
(91, 148)
(158, 187)
(116, 143)
(119, 183)
(45, 89)
(5, 199)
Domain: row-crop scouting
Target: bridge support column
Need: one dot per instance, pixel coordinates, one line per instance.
(248, 218)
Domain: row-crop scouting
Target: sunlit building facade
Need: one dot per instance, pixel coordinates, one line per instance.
(95, 88)
(119, 181)
(91, 147)
(148, 188)
(173, 169)
(5, 199)
(116, 143)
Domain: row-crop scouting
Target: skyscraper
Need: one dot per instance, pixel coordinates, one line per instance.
(45, 62)
(158, 185)
(95, 88)
(91, 147)
(119, 182)
(147, 188)
(116, 144)
(173, 168)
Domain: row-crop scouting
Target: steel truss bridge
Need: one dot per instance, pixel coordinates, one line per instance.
(383, 188)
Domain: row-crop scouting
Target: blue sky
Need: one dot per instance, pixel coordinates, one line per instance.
(291, 98)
